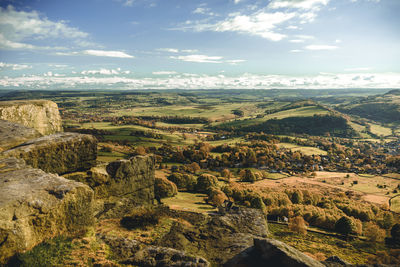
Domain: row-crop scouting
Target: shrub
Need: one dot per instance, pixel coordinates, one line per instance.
(141, 217)
(164, 188)
(345, 225)
(205, 182)
(298, 225)
(395, 232)
(373, 232)
(183, 181)
(216, 197)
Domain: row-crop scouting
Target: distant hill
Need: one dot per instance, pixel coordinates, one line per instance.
(381, 108)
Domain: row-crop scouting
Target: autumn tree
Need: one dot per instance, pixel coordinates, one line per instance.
(373, 232)
(298, 225)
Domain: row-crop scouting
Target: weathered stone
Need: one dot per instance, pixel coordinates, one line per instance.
(133, 178)
(132, 252)
(13, 134)
(218, 237)
(42, 115)
(58, 153)
(120, 186)
(270, 252)
(35, 206)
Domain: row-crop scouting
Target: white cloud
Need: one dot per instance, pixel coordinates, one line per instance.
(103, 53)
(296, 51)
(292, 27)
(305, 37)
(203, 11)
(14, 66)
(18, 28)
(299, 4)
(164, 72)
(260, 24)
(97, 53)
(170, 50)
(128, 3)
(235, 61)
(50, 80)
(102, 71)
(297, 41)
(199, 58)
(237, 1)
(321, 47)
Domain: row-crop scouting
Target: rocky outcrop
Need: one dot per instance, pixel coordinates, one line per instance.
(13, 134)
(42, 115)
(121, 185)
(132, 252)
(270, 252)
(58, 153)
(35, 205)
(219, 237)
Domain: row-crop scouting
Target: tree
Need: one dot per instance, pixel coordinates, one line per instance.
(298, 225)
(194, 167)
(226, 173)
(297, 197)
(395, 232)
(345, 225)
(374, 233)
(205, 182)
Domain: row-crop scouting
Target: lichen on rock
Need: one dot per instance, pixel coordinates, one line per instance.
(13, 134)
(58, 153)
(42, 115)
(35, 206)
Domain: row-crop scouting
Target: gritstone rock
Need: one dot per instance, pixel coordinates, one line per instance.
(58, 153)
(42, 115)
(35, 206)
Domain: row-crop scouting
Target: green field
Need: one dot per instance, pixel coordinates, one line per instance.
(189, 201)
(306, 150)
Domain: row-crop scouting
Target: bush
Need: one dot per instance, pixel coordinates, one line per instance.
(205, 182)
(183, 181)
(298, 225)
(345, 225)
(395, 232)
(164, 188)
(141, 217)
(216, 197)
(374, 233)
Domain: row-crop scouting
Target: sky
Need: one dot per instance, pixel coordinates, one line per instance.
(206, 44)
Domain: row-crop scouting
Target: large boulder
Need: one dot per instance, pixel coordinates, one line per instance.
(271, 252)
(35, 206)
(131, 252)
(13, 134)
(58, 153)
(42, 115)
(218, 237)
(120, 186)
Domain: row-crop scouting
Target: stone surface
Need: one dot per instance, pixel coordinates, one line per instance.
(271, 252)
(120, 186)
(219, 237)
(132, 252)
(42, 115)
(13, 134)
(35, 205)
(58, 153)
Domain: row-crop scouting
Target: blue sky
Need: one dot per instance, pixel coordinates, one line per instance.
(188, 44)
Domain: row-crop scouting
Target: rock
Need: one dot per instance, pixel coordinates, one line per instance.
(133, 178)
(58, 153)
(42, 115)
(270, 252)
(13, 134)
(120, 186)
(132, 252)
(35, 206)
(218, 237)
(335, 261)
